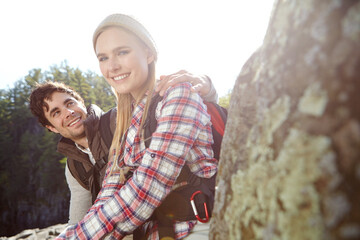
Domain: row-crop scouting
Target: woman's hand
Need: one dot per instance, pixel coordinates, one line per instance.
(200, 83)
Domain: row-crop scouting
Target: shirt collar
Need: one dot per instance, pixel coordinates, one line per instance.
(87, 151)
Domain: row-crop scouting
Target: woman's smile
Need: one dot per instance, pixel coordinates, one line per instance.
(121, 77)
(124, 60)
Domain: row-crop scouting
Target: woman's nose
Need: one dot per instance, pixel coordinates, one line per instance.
(114, 64)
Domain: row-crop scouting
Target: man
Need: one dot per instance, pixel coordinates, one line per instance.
(61, 110)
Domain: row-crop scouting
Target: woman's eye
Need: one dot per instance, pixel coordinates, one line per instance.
(123, 52)
(101, 59)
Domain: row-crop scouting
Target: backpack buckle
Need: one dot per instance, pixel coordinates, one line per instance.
(195, 210)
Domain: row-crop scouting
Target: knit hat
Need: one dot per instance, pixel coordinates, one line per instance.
(130, 24)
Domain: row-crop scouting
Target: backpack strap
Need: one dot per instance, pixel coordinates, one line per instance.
(151, 122)
(98, 171)
(218, 116)
(105, 130)
(78, 171)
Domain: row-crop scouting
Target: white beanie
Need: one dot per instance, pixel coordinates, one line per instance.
(130, 24)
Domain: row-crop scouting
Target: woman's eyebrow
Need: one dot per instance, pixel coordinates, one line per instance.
(114, 50)
(100, 55)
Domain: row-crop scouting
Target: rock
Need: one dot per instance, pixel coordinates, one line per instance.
(45, 233)
(39, 234)
(290, 158)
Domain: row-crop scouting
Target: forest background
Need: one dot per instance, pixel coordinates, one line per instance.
(34, 193)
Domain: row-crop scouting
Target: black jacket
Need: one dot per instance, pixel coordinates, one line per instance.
(88, 175)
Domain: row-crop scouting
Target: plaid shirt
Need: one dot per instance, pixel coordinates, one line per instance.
(183, 136)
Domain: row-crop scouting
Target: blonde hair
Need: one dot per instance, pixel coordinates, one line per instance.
(124, 116)
(125, 101)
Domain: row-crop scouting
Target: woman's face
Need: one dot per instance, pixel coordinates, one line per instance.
(123, 60)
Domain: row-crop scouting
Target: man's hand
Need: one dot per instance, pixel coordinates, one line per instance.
(200, 83)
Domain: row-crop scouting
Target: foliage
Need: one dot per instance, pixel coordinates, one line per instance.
(32, 180)
(224, 101)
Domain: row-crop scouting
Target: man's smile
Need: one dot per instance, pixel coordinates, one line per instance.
(72, 123)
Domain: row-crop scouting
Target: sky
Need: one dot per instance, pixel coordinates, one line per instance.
(212, 37)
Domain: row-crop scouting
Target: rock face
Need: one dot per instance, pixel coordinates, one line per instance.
(46, 209)
(38, 234)
(45, 233)
(290, 160)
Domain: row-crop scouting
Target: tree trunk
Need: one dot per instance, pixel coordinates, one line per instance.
(290, 160)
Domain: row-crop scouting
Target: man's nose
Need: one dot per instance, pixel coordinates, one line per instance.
(69, 112)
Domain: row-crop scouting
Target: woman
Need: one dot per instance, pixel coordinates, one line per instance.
(139, 178)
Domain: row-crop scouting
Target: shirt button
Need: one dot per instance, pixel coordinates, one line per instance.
(152, 155)
(128, 149)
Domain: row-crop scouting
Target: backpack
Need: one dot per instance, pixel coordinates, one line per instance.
(195, 200)
(217, 113)
(105, 130)
(198, 192)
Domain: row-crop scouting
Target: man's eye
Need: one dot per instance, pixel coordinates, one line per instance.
(56, 113)
(70, 103)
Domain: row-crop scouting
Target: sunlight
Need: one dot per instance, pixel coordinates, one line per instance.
(204, 37)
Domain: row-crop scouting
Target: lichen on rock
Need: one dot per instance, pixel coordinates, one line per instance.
(290, 160)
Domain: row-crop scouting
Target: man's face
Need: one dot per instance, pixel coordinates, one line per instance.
(67, 116)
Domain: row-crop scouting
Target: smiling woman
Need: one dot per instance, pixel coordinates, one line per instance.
(123, 60)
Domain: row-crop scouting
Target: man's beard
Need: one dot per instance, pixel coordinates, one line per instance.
(78, 135)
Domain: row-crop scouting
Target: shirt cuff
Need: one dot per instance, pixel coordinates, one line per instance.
(212, 95)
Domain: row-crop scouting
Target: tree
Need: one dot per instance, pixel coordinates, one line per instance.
(103, 95)
(32, 182)
(224, 101)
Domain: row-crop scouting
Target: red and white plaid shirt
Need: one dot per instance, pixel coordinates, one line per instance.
(183, 136)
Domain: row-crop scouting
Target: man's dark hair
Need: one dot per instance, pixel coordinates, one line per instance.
(43, 92)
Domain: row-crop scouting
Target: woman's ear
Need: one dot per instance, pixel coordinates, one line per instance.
(150, 56)
(151, 59)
